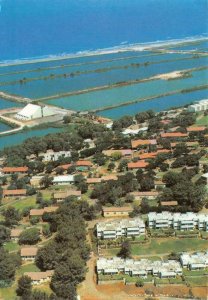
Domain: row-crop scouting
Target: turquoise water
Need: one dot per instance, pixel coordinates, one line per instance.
(103, 98)
(43, 88)
(157, 105)
(4, 127)
(7, 104)
(18, 138)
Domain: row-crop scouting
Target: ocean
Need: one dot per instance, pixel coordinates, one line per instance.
(42, 28)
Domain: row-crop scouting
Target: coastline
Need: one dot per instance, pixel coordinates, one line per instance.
(137, 47)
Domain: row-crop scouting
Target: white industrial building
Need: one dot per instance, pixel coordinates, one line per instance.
(194, 261)
(33, 111)
(199, 106)
(120, 228)
(63, 179)
(178, 221)
(143, 267)
(50, 155)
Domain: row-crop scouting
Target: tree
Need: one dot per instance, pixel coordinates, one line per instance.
(29, 237)
(116, 155)
(139, 282)
(123, 165)
(11, 216)
(111, 166)
(46, 181)
(24, 288)
(125, 251)
(4, 234)
(100, 158)
(7, 266)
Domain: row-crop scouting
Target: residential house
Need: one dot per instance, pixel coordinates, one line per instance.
(15, 233)
(36, 180)
(140, 268)
(174, 135)
(63, 179)
(28, 253)
(141, 164)
(194, 261)
(142, 143)
(13, 170)
(35, 212)
(14, 193)
(50, 155)
(62, 195)
(120, 228)
(120, 211)
(149, 195)
(39, 277)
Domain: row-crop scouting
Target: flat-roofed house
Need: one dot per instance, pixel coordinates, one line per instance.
(28, 253)
(120, 211)
(141, 268)
(36, 180)
(14, 193)
(150, 195)
(13, 170)
(63, 179)
(174, 135)
(35, 212)
(141, 143)
(83, 165)
(160, 220)
(119, 228)
(109, 177)
(194, 261)
(127, 153)
(199, 106)
(178, 221)
(39, 277)
(196, 128)
(62, 195)
(51, 155)
(93, 180)
(141, 164)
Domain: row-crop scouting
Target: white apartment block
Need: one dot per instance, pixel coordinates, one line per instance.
(120, 228)
(199, 106)
(143, 267)
(178, 221)
(194, 261)
(50, 155)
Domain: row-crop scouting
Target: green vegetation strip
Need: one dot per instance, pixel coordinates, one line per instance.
(101, 70)
(114, 85)
(80, 64)
(200, 87)
(164, 246)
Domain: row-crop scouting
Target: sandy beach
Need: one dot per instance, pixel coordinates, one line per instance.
(121, 48)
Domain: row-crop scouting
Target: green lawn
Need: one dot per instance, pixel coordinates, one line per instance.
(21, 203)
(195, 273)
(11, 246)
(202, 121)
(30, 267)
(197, 281)
(165, 245)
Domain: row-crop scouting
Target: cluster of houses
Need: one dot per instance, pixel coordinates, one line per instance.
(178, 221)
(120, 228)
(136, 226)
(143, 267)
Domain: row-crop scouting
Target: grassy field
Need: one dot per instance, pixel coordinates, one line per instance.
(9, 293)
(21, 203)
(165, 245)
(11, 246)
(202, 121)
(197, 281)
